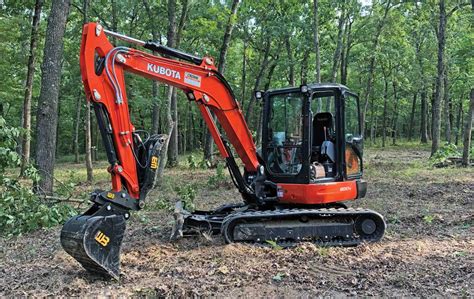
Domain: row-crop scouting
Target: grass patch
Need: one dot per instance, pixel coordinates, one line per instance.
(402, 144)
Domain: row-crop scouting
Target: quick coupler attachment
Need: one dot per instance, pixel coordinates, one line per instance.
(94, 238)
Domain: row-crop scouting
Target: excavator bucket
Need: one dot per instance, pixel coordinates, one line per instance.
(94, 240)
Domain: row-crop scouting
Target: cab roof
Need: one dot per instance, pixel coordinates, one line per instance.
(311, 86)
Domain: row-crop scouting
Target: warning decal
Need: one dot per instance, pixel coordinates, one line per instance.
(192, 79)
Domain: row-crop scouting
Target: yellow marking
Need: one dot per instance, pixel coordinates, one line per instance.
(111, 195)
(102, 239)
(154, 162)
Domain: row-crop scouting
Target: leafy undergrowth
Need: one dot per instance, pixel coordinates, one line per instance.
(20, 209)
(425, 252)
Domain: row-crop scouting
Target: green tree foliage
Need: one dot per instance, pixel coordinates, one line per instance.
(20, 209)
(271, 47)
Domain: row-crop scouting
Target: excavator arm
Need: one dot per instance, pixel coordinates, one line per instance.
(94, 238)
(103, 67)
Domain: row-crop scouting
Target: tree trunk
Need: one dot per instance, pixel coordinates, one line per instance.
(304, 68)
(155, 118)
(172, 158)
(316, 40)
(263, 65)
(96, 138)
(424, 117)
(468, 131)
(412, 117)
(192, 135)
(202, 133)
(164, 149)
(88, 139)
(259, 128)
(88, 124)
(289, 53)
(47, 113)
(447, 107)
(372, 122)
(189, 128)
(174, 142)
(171, 41)
(57, 128)
(77, 122)
(183, 133)
(209, 148)
(267, 86)
(174, 138)
(384, 117)
(458, 121)
(182, 21)
(423, 94)
(337, 53)
(244, 75)
(114, 15)
(370, 76)
(436, 110)
(345, 52)
(429, 125)
(227, 36)
(395, 114)
(26, 124)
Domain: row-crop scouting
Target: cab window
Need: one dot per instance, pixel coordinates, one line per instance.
(285, 134)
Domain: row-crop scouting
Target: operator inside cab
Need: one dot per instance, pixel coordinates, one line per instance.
(286, 131)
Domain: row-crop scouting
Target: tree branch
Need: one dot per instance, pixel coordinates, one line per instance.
(461, 5)
(103, 21)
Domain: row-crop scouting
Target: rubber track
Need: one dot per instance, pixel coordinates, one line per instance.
(260, 216)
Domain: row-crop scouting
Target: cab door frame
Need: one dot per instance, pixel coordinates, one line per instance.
(356, 142)
(303, 175)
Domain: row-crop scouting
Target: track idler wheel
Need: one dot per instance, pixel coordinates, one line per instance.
(370, 228)
(94, 239)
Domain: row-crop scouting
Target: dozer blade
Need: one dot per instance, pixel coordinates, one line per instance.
(95, 241)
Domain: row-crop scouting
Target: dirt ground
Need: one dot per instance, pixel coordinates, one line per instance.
(428, 248)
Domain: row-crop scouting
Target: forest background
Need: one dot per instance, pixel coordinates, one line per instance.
(410, 61)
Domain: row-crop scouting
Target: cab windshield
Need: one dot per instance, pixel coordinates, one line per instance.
(285, 133)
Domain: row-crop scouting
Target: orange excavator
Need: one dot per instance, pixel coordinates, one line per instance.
(292, 188)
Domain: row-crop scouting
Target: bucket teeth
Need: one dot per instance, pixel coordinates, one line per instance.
(95, 242)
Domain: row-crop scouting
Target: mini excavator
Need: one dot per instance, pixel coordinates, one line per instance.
(292, 188)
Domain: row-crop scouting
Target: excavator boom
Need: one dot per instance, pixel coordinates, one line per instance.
(103, 67)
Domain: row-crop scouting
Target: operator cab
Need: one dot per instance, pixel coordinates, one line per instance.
(311, 134)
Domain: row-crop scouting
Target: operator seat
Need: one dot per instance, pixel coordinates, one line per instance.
(322, 144)
(320, 121)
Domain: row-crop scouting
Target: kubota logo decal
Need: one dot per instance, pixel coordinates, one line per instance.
(342, 189)
(157, 69)
(102, 239)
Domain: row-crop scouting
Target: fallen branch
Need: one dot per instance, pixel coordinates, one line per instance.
(77, 202)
